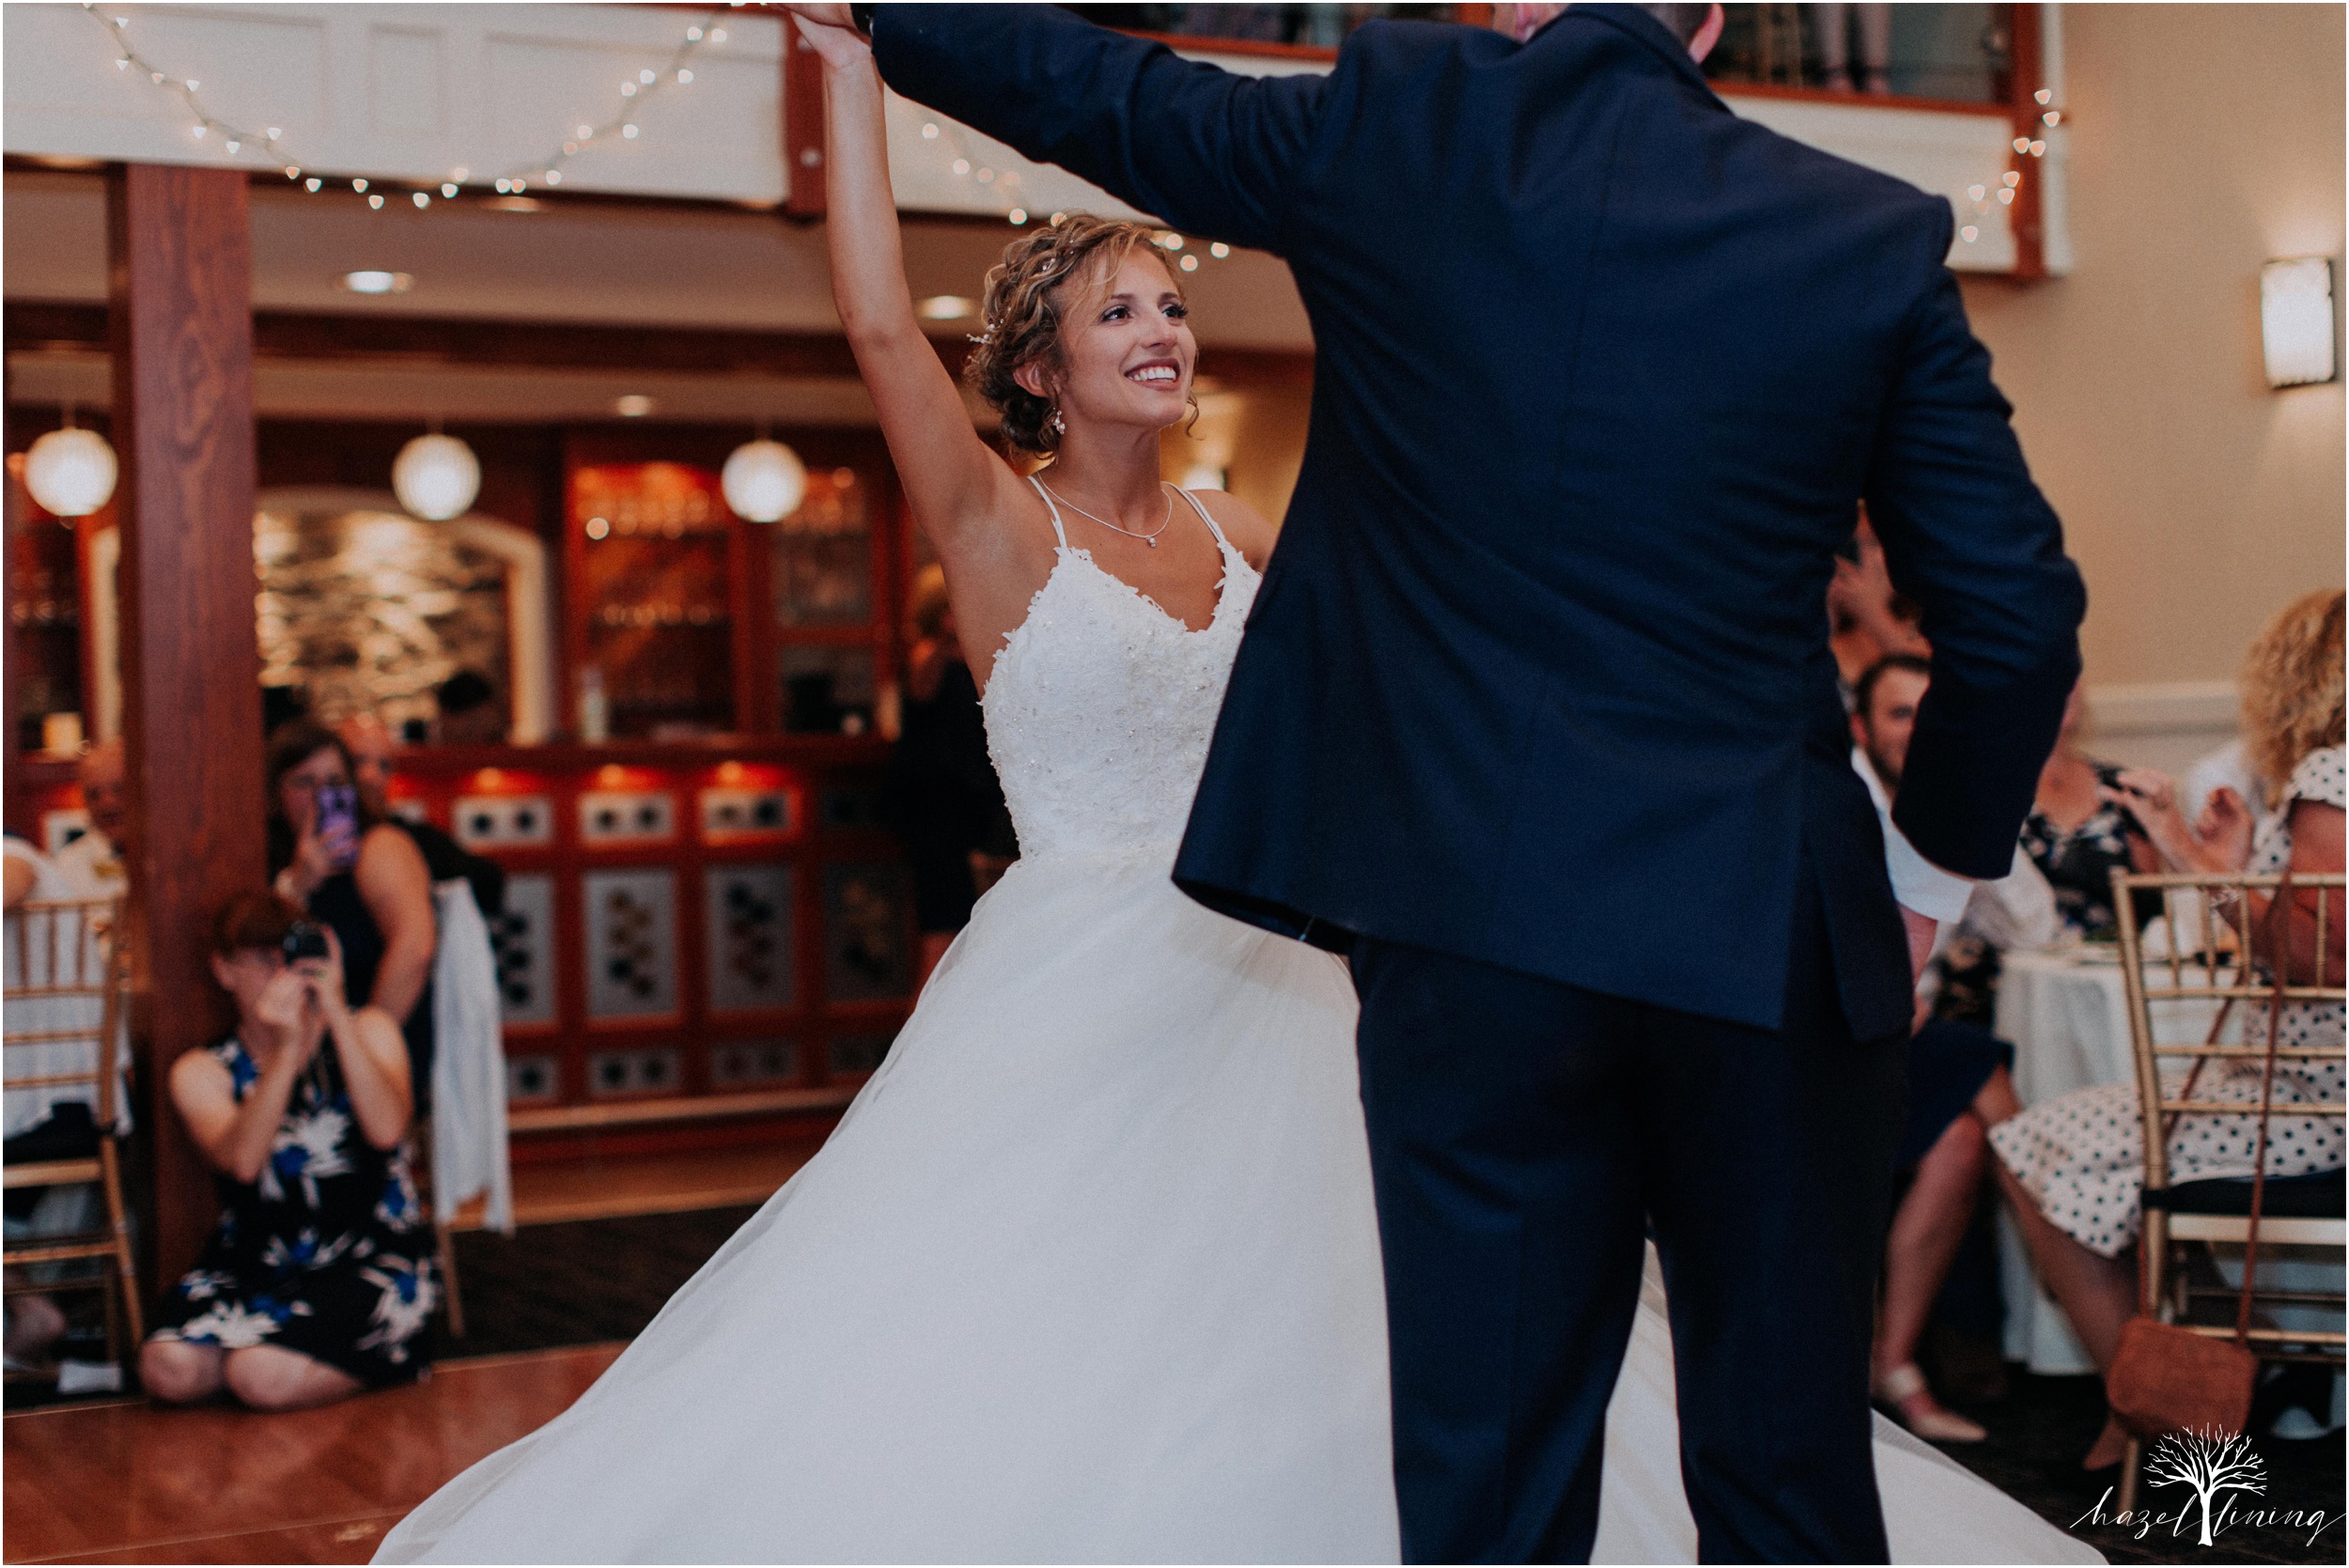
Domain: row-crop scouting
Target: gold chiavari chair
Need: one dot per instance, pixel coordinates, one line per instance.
(2201, 995)
(67, 992)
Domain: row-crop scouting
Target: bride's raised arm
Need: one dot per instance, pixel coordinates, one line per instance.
(953, 481)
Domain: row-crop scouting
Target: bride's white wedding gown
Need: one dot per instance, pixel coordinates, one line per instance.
(1090, 1271)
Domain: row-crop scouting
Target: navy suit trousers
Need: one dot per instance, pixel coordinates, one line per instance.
(1524, 1136)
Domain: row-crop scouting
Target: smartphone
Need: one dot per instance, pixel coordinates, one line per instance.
(305, 940)
(338, 823)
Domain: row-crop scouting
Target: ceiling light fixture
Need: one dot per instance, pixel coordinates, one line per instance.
(436, 476)
(635, 405)
(764, 481)
(372, 282)
(70, 472)
(947, 307)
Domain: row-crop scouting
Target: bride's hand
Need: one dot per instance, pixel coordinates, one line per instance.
(823, 15)
(839, 46)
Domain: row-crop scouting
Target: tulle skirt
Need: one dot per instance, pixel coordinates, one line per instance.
(1089, 1272)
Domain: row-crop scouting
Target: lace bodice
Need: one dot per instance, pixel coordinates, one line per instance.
(1101, 705)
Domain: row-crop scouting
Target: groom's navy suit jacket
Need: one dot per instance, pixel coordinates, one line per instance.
(1539, 674)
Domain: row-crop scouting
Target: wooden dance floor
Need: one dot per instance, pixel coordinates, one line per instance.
(128, 1482)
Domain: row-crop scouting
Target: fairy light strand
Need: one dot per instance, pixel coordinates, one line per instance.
(635, 93)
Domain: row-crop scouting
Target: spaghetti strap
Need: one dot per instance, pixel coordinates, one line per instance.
(1046, 496)
(1204, 517)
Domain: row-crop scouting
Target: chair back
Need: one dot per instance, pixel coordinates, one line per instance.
(64, 976)
(2201, 984)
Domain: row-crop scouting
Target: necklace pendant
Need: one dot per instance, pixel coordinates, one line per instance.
(1153, 543)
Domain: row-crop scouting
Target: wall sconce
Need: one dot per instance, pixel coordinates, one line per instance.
(2297, 320)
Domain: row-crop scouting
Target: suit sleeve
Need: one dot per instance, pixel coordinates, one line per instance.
(1969, 537)
(1207, 150)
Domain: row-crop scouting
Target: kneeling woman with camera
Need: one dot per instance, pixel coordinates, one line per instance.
(319, 1279)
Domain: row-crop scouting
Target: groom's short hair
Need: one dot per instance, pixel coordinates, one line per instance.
(1683, 20)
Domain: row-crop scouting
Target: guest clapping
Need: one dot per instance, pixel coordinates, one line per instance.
(2077, 834)
(319, 1281)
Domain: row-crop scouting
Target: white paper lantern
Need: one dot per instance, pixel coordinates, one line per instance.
(764, 481)
(435, 477)
(70, 472)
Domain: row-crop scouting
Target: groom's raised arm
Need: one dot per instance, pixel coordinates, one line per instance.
(1967, 535)
(1207, 150)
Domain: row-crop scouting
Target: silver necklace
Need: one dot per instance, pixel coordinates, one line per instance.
(1150, 538)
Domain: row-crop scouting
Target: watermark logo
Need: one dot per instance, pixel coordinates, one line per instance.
(2224, 1476)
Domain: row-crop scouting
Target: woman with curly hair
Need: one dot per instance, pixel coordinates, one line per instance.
(2074, 1168)
(1091, 1270)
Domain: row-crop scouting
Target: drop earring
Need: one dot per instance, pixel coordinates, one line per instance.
(1060, 426)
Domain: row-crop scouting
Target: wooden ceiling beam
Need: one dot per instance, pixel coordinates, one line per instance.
(460, 343)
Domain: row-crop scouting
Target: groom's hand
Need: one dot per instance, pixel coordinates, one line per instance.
(1922, 930)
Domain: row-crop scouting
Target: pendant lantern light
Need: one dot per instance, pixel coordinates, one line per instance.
(436, 476)
(70, 472)
(764, 480)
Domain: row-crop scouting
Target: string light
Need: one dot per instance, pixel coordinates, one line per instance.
(2011, 182)
(232, 137)
(648, 82)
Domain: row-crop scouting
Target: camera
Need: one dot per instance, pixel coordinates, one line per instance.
(305, 940)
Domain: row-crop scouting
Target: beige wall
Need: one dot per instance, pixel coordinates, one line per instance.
(2205, 140)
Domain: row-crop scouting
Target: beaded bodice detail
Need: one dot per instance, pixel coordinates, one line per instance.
(1101, 707)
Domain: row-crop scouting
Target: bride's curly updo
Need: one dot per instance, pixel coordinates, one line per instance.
(1022, 307)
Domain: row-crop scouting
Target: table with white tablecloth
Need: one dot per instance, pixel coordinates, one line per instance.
(2067, 1014)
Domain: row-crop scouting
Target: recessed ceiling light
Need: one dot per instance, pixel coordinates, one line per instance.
(634, 406)
(947, 307)
(375, 283)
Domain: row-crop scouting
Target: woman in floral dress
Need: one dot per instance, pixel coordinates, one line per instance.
(319, 1279)
(2074, 1166)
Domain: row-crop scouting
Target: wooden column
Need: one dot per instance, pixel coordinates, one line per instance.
(181, 320)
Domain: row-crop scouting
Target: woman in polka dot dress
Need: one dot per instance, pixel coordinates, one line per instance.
(2074, 1166)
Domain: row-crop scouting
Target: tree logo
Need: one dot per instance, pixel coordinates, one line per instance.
(2214, 1463)
(2221, 1468)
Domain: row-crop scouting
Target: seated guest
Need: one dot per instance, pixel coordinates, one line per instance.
(2074, 1166)
(1958, 1087)
(2077, 834)
(368, 740)
(319, 1279)
(359, 876)
(92, 863)
(42, 1123)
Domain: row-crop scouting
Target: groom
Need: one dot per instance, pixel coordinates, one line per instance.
(1535, 717)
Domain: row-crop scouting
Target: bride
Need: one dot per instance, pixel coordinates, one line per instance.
(1090, 1269)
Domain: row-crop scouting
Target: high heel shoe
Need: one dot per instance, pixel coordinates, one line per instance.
(1932, 1422)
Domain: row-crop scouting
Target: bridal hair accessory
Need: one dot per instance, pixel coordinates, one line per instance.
(1151, 538)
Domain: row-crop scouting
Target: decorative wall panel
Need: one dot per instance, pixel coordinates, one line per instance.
(631, 943)
(534, 1080)
(523, 941)
(752, 1064)
(746, 930)
(867, 916)
(858, 1053)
